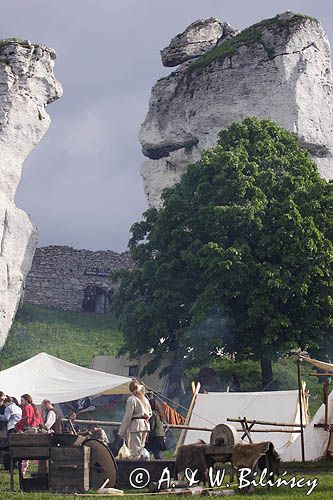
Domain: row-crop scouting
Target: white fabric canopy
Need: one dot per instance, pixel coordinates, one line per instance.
(315, 438)
(46, 377)
(274, 406)
(328, 367)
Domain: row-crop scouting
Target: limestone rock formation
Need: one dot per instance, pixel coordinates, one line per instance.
(27, 85)
(200, 37)
(279, 68)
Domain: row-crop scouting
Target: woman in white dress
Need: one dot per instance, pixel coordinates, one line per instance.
(135, 424)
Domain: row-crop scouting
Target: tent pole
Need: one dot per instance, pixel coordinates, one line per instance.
(300, 399)
(326, 401)
(195, 391)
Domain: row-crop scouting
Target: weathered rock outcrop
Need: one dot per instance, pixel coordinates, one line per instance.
(27, 85)
(200, 37)
(279, 68)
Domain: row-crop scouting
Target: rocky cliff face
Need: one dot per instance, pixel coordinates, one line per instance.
(279, 68)
(27, 85)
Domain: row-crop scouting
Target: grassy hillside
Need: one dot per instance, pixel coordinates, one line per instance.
(77, 337)
(72, 336)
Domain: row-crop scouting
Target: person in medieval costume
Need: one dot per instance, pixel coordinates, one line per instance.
(135, 424)
(52, 420)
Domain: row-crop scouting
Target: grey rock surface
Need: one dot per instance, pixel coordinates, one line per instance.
(200, 37)
(279, 68)
(27, 85)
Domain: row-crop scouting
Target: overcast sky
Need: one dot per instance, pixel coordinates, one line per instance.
(82, 184)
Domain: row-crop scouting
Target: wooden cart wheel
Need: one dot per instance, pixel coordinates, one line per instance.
(102, 464)
(224, 434)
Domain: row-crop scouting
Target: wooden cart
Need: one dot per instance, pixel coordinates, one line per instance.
(69, 468)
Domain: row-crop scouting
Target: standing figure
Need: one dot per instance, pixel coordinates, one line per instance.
(3, 426)
(156, 441)
(31, 416)
(135, 424)
(12, 414)
(52, 420)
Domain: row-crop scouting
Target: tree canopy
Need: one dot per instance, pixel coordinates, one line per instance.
(239, 257)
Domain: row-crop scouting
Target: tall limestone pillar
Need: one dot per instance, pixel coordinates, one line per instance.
(27, 85)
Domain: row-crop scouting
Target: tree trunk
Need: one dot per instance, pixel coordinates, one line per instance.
(266, 371)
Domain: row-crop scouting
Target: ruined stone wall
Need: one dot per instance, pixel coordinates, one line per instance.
(60, 274)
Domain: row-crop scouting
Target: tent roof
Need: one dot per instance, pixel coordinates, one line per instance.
(273, 406)
(47, 377)
(318, 364)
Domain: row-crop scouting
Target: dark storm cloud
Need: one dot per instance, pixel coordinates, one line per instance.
(82, 185)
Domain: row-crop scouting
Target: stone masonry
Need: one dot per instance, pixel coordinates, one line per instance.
(60, 276)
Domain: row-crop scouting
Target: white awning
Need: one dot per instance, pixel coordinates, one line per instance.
(318, 364)
(47, 377)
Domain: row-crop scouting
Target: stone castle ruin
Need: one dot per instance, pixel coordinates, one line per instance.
(76, 280)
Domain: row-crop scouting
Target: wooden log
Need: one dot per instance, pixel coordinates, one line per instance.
(246, 429)
(264, 422)
(194, 490)
(290, 431)
(117, 424)
(218, 493)
(174, 483)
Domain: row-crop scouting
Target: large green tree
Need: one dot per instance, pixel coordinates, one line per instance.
(239, 258)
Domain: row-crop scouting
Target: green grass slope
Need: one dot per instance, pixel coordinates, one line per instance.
(77, 337)
(72, 336)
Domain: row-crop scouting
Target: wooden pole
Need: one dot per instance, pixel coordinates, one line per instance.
(289, 431)
(188, 416)
(246, 430)
(326, 401)
(11, 472)
(263, 422)
(117, 424)
(300, 400)
(184, 427)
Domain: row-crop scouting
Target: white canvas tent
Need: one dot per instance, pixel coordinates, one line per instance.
(47, 377)
(315, 439)
(275, 406)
